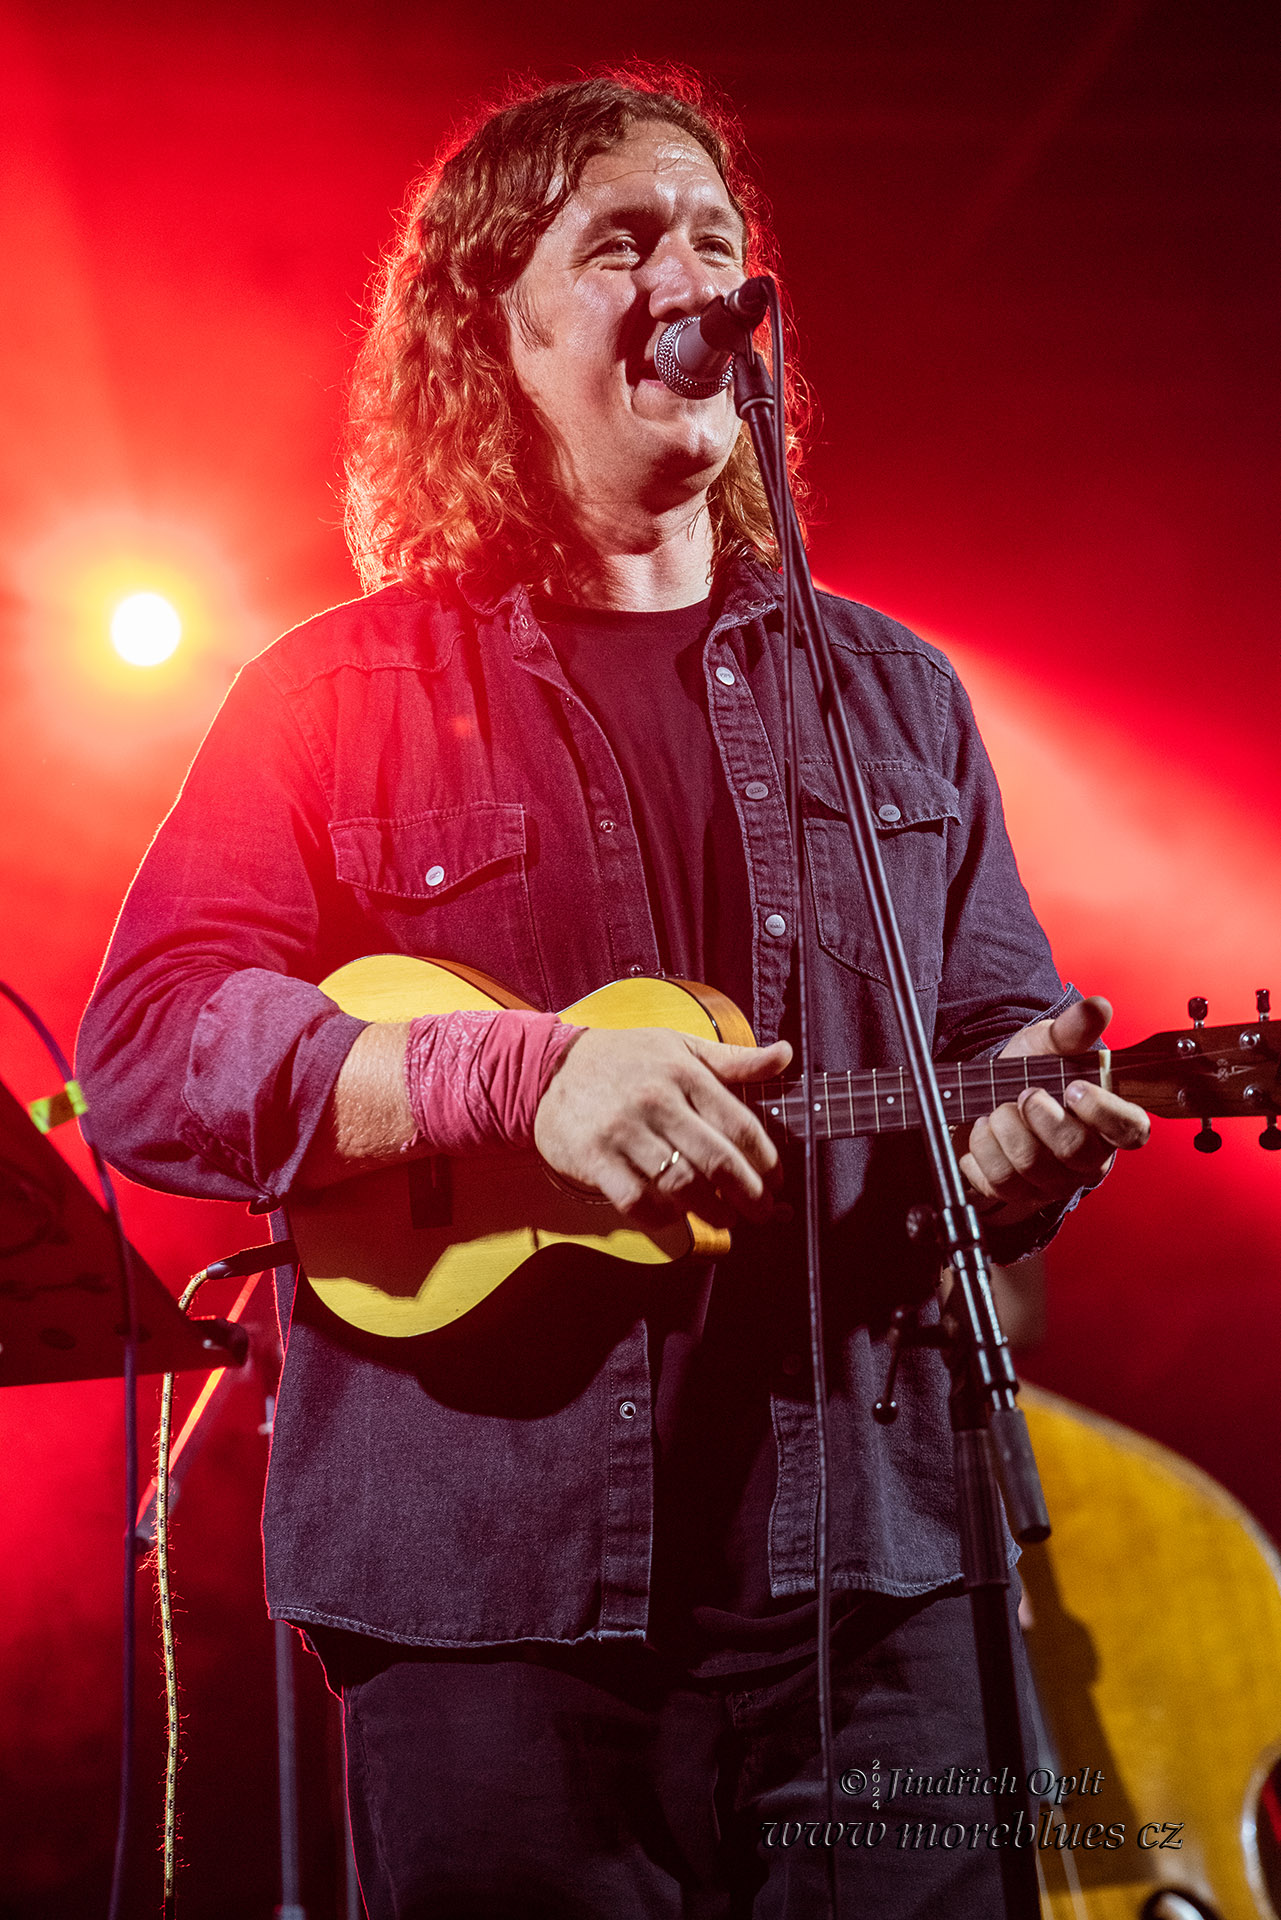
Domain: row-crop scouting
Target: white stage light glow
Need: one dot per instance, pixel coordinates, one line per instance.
(145, 629)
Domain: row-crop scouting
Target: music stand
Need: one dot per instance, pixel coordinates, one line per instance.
(61, 1313)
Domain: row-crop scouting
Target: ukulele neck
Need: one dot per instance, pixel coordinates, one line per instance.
(883, 1099)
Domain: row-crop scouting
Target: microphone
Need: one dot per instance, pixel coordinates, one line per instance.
(695, 356)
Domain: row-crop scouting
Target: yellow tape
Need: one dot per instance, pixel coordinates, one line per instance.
(56, 1108)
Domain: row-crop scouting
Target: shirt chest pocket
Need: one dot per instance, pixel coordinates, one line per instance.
(912, 806)
(451, 884)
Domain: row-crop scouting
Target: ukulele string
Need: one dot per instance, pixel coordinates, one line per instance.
(785, 1101)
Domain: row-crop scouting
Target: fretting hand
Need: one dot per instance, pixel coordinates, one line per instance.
(1032, 1152)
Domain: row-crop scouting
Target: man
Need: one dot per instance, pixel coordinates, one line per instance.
(559, 1558)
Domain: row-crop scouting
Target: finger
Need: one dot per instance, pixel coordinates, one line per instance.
(621, 1101)
(712, 1155)
(1120, 1122)
(744, 1131)
(674, 1188)
(628, 1192)
(1047, 1151)
(740, 1064)
(677, 1183)
(641, 1176)
(1077, 1028)
(1073, 1031)
(671, 1159)
(1063, 1135)
(715, 1104)
(1041, 1167)
(703, 1200)
(1019, 1168)
(988, 1168)
(651, 1211)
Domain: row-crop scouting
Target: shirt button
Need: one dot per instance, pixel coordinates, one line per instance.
(606, 826)
(792, 1363)
(756, 790)
(434, 876)
(636, 971)
(888, 812)
(627, 1409)
(725, 677)
(775, 924)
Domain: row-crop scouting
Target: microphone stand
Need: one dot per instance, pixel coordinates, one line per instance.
(990, 1436)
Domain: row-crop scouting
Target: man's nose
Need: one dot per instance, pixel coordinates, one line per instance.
(677, 280)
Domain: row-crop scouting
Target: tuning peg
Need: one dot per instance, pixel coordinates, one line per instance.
(1270, 1138)
(1207, 1140)
(1263, 1001)
(1197, 1009)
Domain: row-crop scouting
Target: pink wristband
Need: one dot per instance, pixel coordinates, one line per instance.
(475, 1079)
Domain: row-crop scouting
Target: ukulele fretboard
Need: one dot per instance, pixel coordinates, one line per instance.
(883, 1099)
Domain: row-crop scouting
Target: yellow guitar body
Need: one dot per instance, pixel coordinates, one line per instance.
(1156, 1644)
(480, 1217)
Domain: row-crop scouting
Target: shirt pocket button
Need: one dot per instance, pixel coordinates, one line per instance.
(434, 876)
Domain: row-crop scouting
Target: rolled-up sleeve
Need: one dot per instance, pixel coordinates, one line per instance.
(207, 1052)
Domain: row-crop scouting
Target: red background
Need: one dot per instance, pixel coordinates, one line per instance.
(1033, 251)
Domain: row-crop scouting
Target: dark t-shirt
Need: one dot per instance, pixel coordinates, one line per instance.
(716, 1340)
(641, 674)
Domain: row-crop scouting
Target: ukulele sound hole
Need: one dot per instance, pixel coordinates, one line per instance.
(431, 1192)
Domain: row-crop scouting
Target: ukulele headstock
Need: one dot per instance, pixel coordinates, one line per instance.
(1229, 1071)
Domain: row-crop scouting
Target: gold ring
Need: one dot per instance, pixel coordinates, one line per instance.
(670, 1162)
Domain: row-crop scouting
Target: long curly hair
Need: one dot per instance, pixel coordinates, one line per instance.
(445, 474)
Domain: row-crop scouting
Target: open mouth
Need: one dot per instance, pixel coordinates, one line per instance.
(638, 357)
(640, 365)
(646, 374)
(640, 368)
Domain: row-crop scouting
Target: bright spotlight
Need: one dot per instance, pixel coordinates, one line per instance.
(145, 629)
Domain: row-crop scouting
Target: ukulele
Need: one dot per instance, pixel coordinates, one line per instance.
(408, 1249)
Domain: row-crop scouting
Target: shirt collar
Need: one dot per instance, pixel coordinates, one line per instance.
(744, 590)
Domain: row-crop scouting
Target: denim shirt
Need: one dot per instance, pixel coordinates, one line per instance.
(413, 773)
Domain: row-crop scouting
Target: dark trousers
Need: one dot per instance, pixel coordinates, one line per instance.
(594, 1783)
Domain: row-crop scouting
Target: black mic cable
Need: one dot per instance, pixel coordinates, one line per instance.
(695, 356)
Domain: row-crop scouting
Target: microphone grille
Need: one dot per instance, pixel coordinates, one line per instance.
(672, 373)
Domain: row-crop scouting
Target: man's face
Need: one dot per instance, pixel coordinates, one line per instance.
(650, 235)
